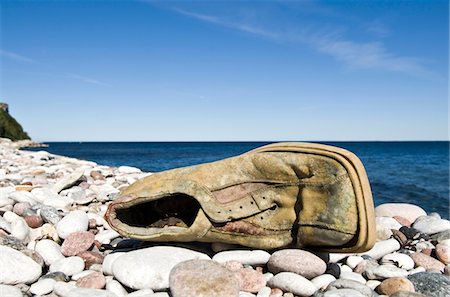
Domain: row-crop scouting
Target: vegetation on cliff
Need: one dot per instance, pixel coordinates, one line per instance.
(10, 128)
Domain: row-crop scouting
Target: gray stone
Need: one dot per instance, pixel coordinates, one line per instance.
(441, 236)
(431, 284)
(48, 213)
(292, 282)
(150, 267)
(202, 278)
(385, 271)
(17, 268)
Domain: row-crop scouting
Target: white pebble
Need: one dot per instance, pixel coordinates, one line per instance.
(69, 265)
(106, 236)
(115, 287)
(252, 257)
(400, 260)
(74, 221)
(417, 270)
(23, 196)
(20, 229)
(345, 268)
(292, 282)
(141, 293)
(352, 276)
(43, 286)
(81, 274)
(63, 289)
(49, 250)
(245, 294)
(353, 261)
(373, 283)
(10, 291)
(322, 281)
(108, 262)
(382, 248)
(264, 292)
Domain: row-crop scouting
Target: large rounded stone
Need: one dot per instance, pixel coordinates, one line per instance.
(294, 283)
(202, 278)
(17, 268)
(409, 211)
(394, 284)
(77, 242)
(73, 222)
(301, 262)
(431, 284)
(150, 267)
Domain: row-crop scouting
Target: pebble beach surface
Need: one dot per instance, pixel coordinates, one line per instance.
(55, 242)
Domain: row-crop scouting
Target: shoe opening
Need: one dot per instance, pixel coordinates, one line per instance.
(178, 210)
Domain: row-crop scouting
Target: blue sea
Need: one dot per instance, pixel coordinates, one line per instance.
(411, 172)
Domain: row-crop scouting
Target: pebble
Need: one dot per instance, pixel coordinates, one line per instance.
(350, 275)
(5, 225)
(115, 287)
(69, 266)
(394, 284)
(73, 222)
(372, 283)
(431, 225)
(264, 292)
(333, 269)
(10, 291)
(43, 286)
(83, 292)
(407, 294)
(90, 258)
(34, 221)
(150, 267)
(49, 250)
(322, 281)
(409, 211)
(252, 257)
(49, 214)
(57, 276)
(382, 248)
(443, 253)
(353, 261)
(428, 262)
(298, 261)
(108, 261)
(343, 293)
(106, 236)
(77, 242)
(141, 293)
(22, 196)
(20, 229)
(17, 268)
(385, 271)
(441, 236)
(431, 284)
(68, 180)
(292, 282)
(94, 280)
(351, 284)
(402, 220)
(129, 169)
(384, 225)
(202, 278)
(250, 280)
(400, 260)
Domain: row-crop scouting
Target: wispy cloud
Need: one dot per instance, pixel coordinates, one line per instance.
(15, 56)
(355, 54)
(87, 80)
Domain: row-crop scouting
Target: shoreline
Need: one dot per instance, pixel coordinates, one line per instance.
(52, 230)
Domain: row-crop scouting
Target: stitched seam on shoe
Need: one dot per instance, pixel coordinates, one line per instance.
(325, 227)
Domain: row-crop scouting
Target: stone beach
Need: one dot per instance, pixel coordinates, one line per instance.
(54, 241)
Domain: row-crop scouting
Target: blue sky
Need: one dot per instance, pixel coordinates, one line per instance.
(232, 70)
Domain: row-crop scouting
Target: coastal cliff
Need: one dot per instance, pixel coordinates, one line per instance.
(9, 127)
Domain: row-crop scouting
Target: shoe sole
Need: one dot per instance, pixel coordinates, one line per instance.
(366, 235)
